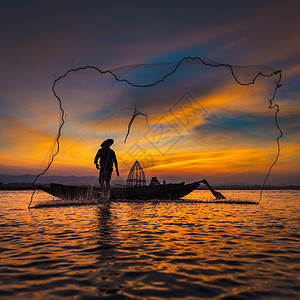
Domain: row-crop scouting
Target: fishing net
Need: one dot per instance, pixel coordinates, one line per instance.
(183, 121)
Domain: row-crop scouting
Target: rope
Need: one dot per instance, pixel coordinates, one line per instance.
(188, 58)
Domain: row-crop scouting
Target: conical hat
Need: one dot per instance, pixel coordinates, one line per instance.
(107, 143)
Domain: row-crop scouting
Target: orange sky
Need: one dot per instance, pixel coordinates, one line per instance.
(200, 122)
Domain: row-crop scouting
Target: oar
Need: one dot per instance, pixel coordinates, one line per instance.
(218, 195)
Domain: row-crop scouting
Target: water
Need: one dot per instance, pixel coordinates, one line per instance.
(151, 250)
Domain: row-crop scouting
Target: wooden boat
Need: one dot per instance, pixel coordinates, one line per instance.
(170, 191)
(136, 190)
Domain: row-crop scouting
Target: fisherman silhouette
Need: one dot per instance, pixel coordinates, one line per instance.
(107, 158)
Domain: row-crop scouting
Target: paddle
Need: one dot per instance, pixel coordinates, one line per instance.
(218, 195)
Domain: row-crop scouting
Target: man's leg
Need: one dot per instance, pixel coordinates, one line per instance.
(101, 181)
(108, 177)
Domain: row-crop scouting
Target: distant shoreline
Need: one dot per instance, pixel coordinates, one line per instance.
(254, 187)
(26, 187)
(16, 188)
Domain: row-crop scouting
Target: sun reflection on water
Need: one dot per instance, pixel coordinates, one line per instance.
(151, 250)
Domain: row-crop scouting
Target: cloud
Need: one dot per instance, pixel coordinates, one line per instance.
(40, 39)
(239, 124)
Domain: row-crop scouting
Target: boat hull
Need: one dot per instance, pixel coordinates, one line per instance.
(159, 192)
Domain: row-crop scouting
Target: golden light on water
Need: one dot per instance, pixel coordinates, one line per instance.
(132, 248)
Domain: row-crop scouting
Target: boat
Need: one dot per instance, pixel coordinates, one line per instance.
(171, 191)
(135, 190)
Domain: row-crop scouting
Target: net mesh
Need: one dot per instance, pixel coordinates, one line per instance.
(198, 117)
(136, 176)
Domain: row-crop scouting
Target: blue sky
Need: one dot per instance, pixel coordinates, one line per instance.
(43, 39)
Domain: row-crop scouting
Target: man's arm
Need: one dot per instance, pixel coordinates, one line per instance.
(96, 159)
(116, 164)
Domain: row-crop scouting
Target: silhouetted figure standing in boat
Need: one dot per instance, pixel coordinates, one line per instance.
(107, 158)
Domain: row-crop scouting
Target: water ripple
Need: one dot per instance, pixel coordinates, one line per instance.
(151, 250)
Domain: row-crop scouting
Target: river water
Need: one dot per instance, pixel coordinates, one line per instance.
(151, 250)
